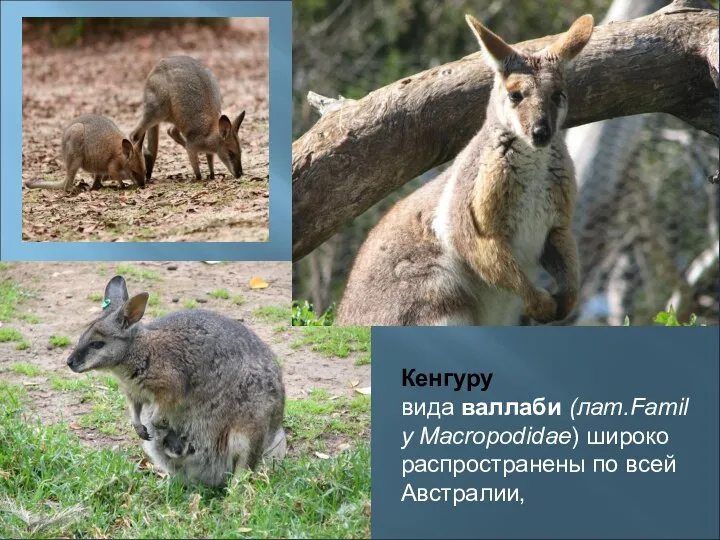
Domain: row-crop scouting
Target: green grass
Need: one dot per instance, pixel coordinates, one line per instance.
(30, 318)
(22, 346)
(95, 297)
(72, 384)
(337, 341)
(220, 294)
(309, 419)
(23, 368)
(10, 297)
(9, 334)
(4, 266)
(129, 271)
(71, 490)
(156, 312)
(59, 341)
(189, 304)
(273, 314)
(153, 300)
(237, 299)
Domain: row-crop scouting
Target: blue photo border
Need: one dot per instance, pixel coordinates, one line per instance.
(278, 246)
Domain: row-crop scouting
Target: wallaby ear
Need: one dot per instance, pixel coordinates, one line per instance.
(134, 309)
(238, 121)
(116, 291)
(127, 148)
(569, 45)
(225, 126)
(494, 49)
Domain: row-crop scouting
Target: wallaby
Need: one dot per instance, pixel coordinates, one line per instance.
(462, 249)
(205, 393)
(182, 91)
(95, 144)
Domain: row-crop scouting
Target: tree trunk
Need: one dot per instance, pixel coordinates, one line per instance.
(356, 155)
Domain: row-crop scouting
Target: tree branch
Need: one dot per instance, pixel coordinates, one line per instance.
(356, 155)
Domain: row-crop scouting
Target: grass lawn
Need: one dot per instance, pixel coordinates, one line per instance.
(53, 486)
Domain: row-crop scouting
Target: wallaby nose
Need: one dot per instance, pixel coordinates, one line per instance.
(541, 133)
(238, 172)
(72, 362)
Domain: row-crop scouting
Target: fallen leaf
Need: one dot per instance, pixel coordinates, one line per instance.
(258, 283)
(75, 425)
(354, 383)
(364, 391)
(243, 530)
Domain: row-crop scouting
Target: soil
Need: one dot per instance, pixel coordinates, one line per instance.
(57, 293)
(106, 76)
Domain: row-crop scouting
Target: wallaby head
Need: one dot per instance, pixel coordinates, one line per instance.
(133, 160)
(229, 150)
(107, 340)
(529, 96)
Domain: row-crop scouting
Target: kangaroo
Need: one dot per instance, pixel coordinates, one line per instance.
(205, 393)
(460, 250)
(95, 144)
(182, 91)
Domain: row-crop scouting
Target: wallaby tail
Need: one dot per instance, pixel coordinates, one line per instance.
(33, 184)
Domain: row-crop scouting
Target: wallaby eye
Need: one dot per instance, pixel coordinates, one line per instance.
(557, 97)
(96, 344)
(515, 97)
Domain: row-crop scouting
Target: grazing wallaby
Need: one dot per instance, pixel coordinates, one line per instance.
(205, 393)
(182, 91)
(95, 144)
(461, 250)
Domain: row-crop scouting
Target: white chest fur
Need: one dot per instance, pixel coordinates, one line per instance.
(533, 212)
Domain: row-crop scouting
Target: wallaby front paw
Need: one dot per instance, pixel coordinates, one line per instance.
(142, 432)
(565, 304)
(544, 308)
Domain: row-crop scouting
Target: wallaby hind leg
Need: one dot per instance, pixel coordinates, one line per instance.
(246, 449)
(211, 165)
(72, 169)
(151, 150)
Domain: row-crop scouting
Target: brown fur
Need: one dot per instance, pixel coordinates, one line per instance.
(463, 248)
(180, 90)
(95, 144)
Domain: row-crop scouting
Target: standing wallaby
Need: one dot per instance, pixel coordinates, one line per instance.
(182, 91)
(95, 144)
(462, 249)
(205, 393)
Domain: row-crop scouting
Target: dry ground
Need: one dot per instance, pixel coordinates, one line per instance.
(106, 76)
(57, 303)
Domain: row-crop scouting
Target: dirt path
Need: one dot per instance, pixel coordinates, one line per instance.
(106, 77)
(56, 303)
